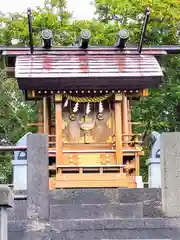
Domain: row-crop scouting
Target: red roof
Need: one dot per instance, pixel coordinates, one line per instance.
(87, 71)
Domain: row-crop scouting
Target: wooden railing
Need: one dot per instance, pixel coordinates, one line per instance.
(93, 168)
(132, 140)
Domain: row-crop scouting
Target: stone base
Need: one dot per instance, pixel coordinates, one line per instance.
(98, 229)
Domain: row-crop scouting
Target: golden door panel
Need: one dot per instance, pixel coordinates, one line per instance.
(89, 159)
(89, 129)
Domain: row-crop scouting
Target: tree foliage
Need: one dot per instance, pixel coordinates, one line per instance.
(161, 110)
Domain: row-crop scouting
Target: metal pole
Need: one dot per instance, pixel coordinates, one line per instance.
(30, 30)
(146, 17)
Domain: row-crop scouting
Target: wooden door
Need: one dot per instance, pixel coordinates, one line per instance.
(93, 132)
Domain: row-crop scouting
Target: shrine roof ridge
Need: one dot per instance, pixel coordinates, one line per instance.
(70, 50)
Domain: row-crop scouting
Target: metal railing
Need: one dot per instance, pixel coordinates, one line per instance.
(12, 148)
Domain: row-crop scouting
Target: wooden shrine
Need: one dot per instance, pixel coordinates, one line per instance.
(85, 94)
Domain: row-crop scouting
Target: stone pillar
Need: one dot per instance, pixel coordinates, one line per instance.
(6, 201)
(37, 177)
(170, 173)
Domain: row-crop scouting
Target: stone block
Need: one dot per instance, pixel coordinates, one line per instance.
(19, 211)
(115, 223)
(6, 196)
(90, 211)
(38, 177)
(104, 195)
(170, 174)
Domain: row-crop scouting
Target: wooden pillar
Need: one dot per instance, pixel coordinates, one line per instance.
(129, 117)
(58, 126)
(40, 117)
(49, 113)
(137, 162)
(125, 124)
(46, 115)
(118, 128)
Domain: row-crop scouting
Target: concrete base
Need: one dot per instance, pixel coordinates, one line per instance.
(154, 173)
(139, 182)
(20, 175)
(6, 201)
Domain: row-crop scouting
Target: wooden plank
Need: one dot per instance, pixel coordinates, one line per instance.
(91, 177)
(59, 122)
(52, 183)
(87, 70)
(55, 58)
(77, 57)
(94, 180)
(90, 83)
(70, 65)
(90, 61)
(85, 56)
(88, 74)
(89, 151)
(118, 128)
(92, 166)
(92, 146)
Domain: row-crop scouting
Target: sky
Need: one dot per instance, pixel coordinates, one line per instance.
(78, 7)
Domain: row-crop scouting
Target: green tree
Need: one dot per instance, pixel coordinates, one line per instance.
(15, 113)
(161, 110)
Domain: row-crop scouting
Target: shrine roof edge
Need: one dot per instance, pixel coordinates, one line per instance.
(156, 51)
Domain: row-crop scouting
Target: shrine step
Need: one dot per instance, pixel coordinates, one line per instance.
(114, 224)
(98, 229)
(150, 234)
(89, 211)
(149, 197)
(104, 195)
